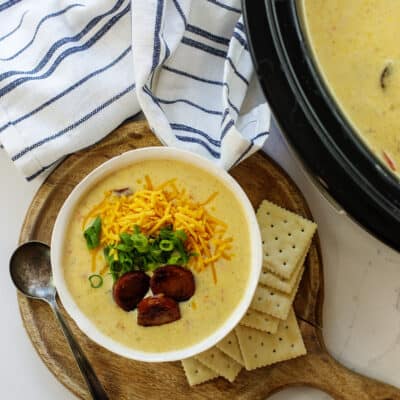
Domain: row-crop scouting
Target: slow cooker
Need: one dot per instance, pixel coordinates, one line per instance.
(339, 161)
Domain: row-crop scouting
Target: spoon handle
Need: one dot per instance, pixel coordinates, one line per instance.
(95, 387)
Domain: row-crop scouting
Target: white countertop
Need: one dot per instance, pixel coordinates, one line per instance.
(362, 293)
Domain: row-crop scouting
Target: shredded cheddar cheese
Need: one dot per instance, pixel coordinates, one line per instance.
(94, 256)
(154, 207)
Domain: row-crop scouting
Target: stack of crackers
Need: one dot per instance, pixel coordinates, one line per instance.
(269, 332)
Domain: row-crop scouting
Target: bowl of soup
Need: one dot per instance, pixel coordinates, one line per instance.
(330, 71)
(156, 254)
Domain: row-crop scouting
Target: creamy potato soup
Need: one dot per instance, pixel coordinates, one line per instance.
(215, 296)
(356, 46)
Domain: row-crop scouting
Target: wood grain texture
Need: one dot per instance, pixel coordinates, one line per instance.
(124, 379)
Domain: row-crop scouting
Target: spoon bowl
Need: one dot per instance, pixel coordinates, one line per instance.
(30, 270)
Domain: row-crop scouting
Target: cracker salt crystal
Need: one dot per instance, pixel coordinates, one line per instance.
(286, 237)
(230, 346)
(196, 372)
(273, 302)
(260, 349)
(219, 362)
(261, 321)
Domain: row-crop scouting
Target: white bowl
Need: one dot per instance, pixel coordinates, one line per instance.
(58, 237)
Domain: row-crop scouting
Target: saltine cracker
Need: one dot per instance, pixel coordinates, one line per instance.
(196, 372)
(285, 236)
(219, 362)
(260, 349)
(261, 321)
(273, 302)
(230, 346)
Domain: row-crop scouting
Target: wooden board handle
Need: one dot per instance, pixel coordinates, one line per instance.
(343, 384)
(320, 370)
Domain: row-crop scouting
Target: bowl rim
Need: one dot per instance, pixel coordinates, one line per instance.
(59, 231)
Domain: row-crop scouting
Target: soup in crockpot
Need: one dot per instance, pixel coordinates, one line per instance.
(356, 46)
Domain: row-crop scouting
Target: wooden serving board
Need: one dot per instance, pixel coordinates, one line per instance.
(124, 379)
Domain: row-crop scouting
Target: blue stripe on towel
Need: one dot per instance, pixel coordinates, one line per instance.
(8, 4)
(190, 103)
(157, 28)
(63, 41)
(259, 136)
(15, 29)
(68, 90)
(167, 50)
(244, 154)
(208, 35)
(225, 114)
(75, 124)
(191, 76)
(237, 72)
(233, 106)
(150, 94)
(180, 11)
(189, 139)
(218, 3)
(237, 36)
(203, 47)
(240, 26)
(40, 171)
(186, 128)
(226, 128)
(42, 21)
(228, 99)
(68, 52)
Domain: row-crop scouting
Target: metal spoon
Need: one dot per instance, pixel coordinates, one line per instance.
(30, 270)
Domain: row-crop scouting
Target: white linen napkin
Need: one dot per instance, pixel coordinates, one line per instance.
(72, 71)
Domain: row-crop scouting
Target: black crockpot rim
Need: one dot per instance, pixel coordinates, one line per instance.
(358, 202)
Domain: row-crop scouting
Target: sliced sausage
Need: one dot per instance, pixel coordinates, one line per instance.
(157, 310)
(130, 288)
(174, 281)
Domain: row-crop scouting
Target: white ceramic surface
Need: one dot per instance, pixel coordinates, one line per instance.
(362, 291)
(131, 158)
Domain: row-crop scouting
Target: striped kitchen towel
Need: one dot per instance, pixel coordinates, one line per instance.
(71, 72)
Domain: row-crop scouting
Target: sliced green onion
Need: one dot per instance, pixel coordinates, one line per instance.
(96, 281)
(124, 247)
(92, 234)
(166, 245)
(175, 259)
(140, 242)
(180, 234)
(155, 253)
(136, 251)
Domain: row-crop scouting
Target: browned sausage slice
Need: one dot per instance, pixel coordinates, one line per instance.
(174, 281)
(157, 310)
(130, 288)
